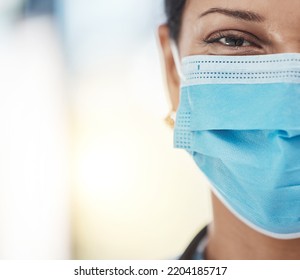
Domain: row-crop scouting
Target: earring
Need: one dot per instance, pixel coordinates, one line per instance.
(170, 119)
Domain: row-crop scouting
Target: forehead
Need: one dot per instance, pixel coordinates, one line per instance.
(285, 13)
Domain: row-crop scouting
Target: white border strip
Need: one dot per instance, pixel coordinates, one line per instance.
(259, 69)
(282, 61)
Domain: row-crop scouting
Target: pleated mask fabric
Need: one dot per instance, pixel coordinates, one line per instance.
(239, 118)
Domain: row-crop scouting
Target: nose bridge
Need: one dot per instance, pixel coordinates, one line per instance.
(288, 45)
(288, 49)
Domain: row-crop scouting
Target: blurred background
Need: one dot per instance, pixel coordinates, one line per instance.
(87, 165)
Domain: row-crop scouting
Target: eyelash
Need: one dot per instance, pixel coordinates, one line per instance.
(218, 36)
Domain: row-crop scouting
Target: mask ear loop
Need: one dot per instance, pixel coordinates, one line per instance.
(177, 60)
(171, 117)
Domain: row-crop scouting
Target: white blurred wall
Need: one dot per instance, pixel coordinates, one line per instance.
(34, 192)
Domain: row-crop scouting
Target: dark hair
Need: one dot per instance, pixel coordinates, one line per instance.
(174, 11)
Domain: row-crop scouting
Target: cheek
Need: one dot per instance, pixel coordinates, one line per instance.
(186, 42)
(190, 40)
(189, 45)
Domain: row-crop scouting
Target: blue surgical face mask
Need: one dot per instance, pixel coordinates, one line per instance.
(239, 117)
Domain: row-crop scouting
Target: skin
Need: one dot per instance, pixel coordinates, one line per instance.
(235, 27)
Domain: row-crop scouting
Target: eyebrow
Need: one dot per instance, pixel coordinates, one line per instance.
(238, 14)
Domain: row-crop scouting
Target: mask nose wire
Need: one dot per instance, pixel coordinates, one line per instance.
(177, 60)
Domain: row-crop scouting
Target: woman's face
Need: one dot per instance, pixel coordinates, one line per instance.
(232, 27)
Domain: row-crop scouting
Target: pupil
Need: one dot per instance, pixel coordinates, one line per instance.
(234, 42)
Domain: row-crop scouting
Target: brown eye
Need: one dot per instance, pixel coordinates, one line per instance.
(232, 39)
(234, 42)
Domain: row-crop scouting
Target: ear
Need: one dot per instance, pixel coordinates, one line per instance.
(172, 77)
